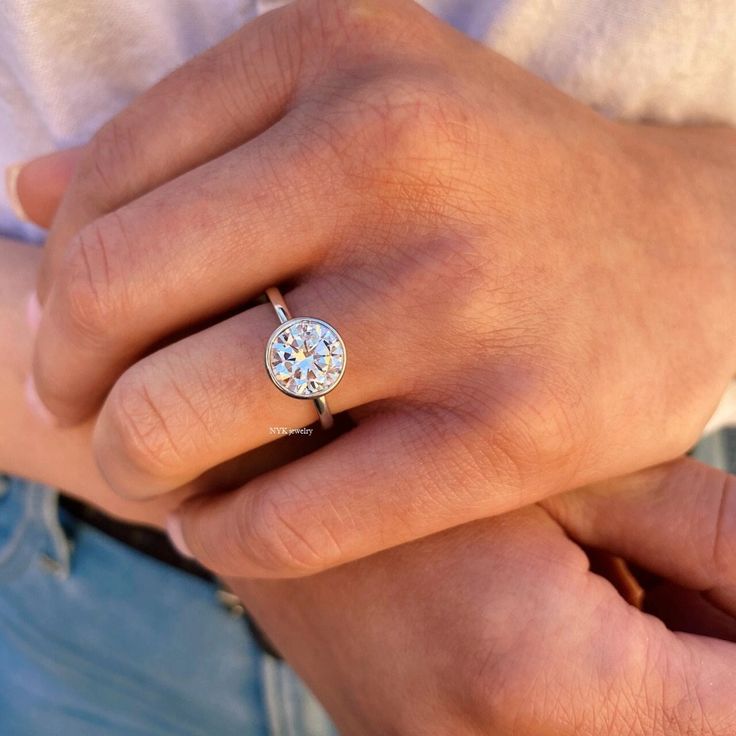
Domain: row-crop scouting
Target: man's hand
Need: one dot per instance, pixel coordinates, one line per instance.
(499, 628)
(534, 298)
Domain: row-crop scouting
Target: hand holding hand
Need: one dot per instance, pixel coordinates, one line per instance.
(533, 297)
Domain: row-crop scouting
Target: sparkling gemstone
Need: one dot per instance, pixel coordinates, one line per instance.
(305, 357)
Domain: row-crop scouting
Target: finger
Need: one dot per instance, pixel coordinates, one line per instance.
(388, 481)
(37, 187)
(677, 520)
(637, 677)
(207, 398)
(221, 98)
(184, 253)
(597, 665)
(694, 681)
(216, 235)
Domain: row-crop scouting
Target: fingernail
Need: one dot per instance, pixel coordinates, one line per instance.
(33, 312)
(11, 187)
(176, 536)
(37, 406)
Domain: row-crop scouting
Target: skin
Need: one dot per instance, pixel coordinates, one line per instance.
(615, 670)
(500, 628)
(68, 457)
(497, 627)
(556, 277)
(581, 267)
(24, 438)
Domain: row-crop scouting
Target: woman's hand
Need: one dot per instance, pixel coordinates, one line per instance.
(534, 297)
(500, 627)
(28, 447)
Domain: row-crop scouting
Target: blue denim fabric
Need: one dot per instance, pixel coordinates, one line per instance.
(97, 639)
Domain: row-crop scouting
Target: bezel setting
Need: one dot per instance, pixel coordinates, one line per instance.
(292, 333)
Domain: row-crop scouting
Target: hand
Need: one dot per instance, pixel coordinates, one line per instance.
(59, 457)
(534, 297)
(500, 628)
(62, 457)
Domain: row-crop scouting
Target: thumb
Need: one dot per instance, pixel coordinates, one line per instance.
(35, 188)
(676, 520)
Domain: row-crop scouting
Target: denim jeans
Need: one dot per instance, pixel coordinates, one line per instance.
(97, 639)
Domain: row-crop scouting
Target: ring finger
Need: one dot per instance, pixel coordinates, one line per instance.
(207, 398)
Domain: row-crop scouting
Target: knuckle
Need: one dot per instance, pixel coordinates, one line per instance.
(111, 152)
(455, 261)
(409, 130)
(404, 133)
(521, 689)
(537, 424)
(344, 20)
(88, 281)
(144, 434)
(228, 70)
(283, 537)
(417, 112)
(336, 35)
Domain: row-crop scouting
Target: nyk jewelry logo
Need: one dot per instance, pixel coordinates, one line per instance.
(283, 431)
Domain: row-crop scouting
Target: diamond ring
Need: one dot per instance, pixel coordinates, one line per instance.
(305, 357)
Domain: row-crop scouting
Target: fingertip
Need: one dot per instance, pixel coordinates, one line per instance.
(36, 187)
(36, 405)
(176, 536)
(12, 174)
(216, 527)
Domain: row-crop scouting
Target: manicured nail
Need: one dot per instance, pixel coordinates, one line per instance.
(176, 536)
(33, 312)
(11, 187)
(37, 406)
